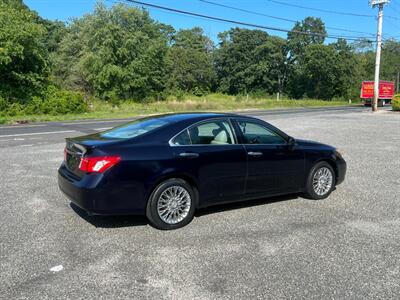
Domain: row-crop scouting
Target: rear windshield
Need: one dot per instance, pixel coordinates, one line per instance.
(134, 128)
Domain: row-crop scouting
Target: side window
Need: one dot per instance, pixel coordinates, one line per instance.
(254, 133)
(211, 133)
(182, 139)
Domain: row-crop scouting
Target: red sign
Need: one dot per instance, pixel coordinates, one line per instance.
(386, 90)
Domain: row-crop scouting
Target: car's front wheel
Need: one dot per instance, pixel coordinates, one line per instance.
(171, 205)
(321, 181)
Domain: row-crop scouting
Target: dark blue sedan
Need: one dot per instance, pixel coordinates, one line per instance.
(165, 167)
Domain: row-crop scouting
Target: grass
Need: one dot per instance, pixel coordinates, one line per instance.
(213, 102)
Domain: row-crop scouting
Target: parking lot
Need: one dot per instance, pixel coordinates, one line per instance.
(288, 247)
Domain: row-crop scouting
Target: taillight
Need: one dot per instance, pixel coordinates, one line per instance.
(65, 154)
(98, 164)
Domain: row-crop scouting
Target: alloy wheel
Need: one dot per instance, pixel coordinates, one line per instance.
(174, 204)
(322, 181)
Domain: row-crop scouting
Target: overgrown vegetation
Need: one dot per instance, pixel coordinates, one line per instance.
(119, 57)
(396, 103)
(97, 108)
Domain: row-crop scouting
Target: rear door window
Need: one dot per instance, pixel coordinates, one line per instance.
(182, 139)
(217, 132)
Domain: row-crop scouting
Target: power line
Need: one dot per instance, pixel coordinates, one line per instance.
(395, 9)
(249, 11)
(322, 10)
(393, 18)
(278, 18)
(393, 24)
(329, 11)
(240, 22)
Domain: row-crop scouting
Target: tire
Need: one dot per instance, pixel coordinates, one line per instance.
(325, 187)
(167, 207)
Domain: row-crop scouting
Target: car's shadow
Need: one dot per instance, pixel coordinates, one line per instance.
(243, 204)
(110, 221)
(128, 221)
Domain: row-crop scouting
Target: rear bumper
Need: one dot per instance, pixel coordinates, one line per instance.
(77, 194)
(97, 196)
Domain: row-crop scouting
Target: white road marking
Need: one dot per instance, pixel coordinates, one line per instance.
(96, 122)
(19, 139)
(104, 128)
(57, 268)
(37, 133)
(21, 126)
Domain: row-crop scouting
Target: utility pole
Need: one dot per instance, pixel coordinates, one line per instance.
(380, 4)
(278, 94)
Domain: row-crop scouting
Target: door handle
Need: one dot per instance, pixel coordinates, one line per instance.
(189, 154)
(251, 153)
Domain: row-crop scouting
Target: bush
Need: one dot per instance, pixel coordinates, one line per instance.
(259, 94)
(3, 105)
(396, 102)
(10, 109)
(15, 109)
(58, 103)
(54, 102)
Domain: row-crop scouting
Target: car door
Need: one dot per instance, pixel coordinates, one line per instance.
(209, 150)
(274, 165)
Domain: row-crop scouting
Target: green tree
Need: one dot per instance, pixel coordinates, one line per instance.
(193, 39)
(272, 69)
(390, 60)
(55, 32)
(315, 74)
(347, 72)
(325, 72)
(23, 55)
(116, 52)
(190, 65)
(365, 56)
(310, 31)
(249, 61)
(16, 4)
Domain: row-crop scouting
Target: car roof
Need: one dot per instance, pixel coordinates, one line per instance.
(195, 116)
(191, 115)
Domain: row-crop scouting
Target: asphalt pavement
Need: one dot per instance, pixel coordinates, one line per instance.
(346, 246)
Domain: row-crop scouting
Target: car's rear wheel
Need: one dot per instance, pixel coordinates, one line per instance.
(171, 205)
(321, 181)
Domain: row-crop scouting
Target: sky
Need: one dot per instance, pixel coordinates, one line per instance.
(66, 10)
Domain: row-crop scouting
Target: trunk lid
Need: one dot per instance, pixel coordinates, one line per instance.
(78, 147)
(72, 156)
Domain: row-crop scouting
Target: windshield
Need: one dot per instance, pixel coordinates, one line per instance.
(134, 128)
